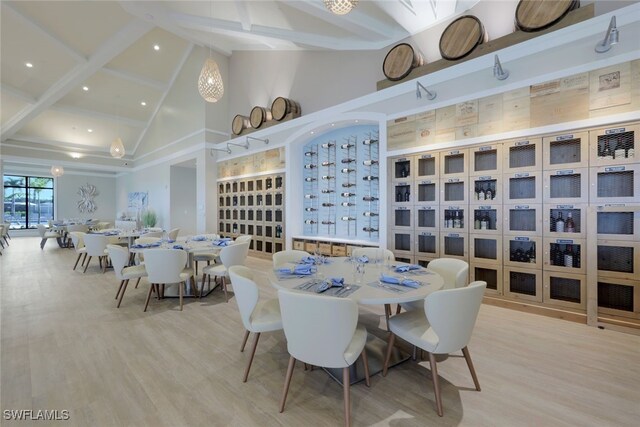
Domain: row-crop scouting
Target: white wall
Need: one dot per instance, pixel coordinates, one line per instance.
(183, 199)
(316, 79)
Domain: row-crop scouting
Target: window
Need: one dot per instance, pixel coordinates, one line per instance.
(28, 201)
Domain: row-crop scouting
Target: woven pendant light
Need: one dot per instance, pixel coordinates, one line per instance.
(210, 83)
(340, 7)
(117, 148)
(57, 171)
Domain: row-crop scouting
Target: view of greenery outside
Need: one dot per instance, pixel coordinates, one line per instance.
(28, 200)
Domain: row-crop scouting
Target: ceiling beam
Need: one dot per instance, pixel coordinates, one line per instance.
(37, 28)
(154, 84)
(105, 53)
(98, 115)
(174, 76)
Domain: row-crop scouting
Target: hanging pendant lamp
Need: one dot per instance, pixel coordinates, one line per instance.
(340, 7)
(57, 171)
(210, 83)
(117, 148)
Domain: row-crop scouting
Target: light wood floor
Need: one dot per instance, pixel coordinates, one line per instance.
(66, 346)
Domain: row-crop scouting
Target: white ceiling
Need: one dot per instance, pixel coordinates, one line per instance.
(107, 46)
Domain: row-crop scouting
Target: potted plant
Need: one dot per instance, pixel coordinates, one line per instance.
(149, 218)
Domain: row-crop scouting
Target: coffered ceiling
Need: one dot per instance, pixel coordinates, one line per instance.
(76, 74)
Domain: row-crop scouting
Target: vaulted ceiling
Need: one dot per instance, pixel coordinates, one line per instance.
(77, 74)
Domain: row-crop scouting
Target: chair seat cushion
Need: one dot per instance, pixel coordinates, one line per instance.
(413, 327)
(355, 346)
(266, 316)
(134, 272)
(215, 270)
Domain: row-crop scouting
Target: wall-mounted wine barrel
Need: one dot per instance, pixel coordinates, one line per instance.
(536, 15)
(239, 124)
(281, 107)
(461, 37)
(400, 60)
(258, 116)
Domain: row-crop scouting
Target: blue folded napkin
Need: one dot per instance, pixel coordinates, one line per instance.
(405, 268)
(221, 242)
(301, 270)
(397, 281)
(363, 259)
(199, 238)
(178, 247)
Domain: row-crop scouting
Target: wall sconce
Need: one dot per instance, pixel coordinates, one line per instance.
(498, 72)
(610, 38)
(431, 95)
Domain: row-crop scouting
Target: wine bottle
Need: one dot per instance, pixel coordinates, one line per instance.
(369, 198)
(369, 178)
(310, 166)
(369, 141)
(369, 162)
(569, 225)
(560, 223)
(347, 194)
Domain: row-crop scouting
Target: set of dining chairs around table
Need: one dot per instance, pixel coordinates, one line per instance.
(436, 307)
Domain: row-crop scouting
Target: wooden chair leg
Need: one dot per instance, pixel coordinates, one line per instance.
(436, 382)
(119, 289)
(122, 293)
(244, 340)
(138, 282)
(87, 264)
(365, 361)
(347, 396)
(392, 339)
(467, 357)
(253, 352)
(224, 288)
(77, 260)
(151, 287)
(287, 381)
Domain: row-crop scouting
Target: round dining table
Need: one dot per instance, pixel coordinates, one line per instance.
(364, 288)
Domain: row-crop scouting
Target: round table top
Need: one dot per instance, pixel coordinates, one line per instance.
(371, 290)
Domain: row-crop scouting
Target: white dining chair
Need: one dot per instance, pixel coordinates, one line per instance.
(77, 238)
(166, 266)
(443, 326)
(45, 235)
(385, 255)
(229, 255)
(119, 259)
(455, 273)
(173, 234)
(96, 245)
(285, 257)
(257, 315)
(322, 331)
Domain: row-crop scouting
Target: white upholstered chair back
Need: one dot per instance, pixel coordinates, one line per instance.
(283, 257)
(452, 314)
(119, 258)
(455, 272)
(374, 253)
(318, 328)
(234, 254)
(164, 265)
(246, 292)
(95, 244)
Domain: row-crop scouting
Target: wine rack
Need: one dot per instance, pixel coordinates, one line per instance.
(341, 184)
(254, 206)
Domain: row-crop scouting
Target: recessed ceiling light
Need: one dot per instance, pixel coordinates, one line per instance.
(28, 65)
(156, 47)
(85, 88)
(89, 130)
(143, 103)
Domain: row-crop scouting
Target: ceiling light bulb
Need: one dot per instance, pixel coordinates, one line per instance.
(156, 47)
(85, 88)
(29, 65)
